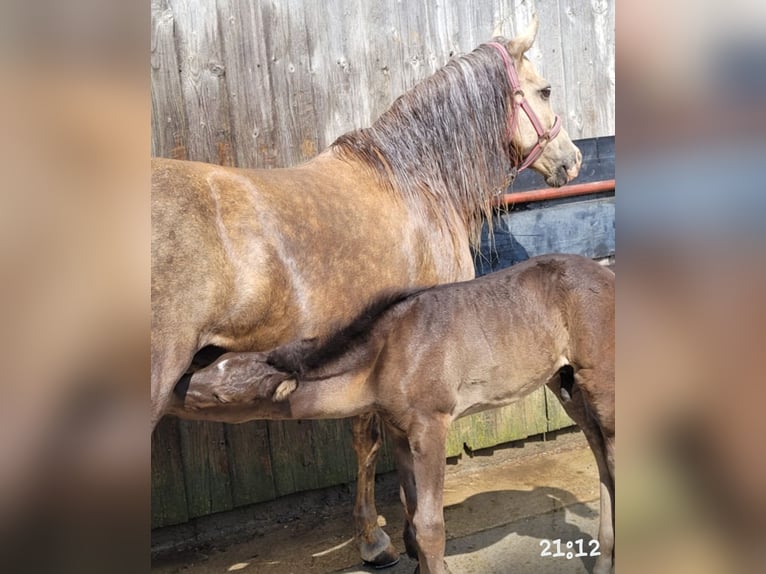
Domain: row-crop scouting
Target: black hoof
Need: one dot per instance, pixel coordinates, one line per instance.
(385, 559)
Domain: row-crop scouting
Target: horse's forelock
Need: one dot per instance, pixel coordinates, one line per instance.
(443, 144)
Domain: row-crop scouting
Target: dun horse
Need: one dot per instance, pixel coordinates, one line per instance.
(246, 260)
(423, 359)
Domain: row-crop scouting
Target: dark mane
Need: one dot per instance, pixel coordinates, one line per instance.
(303, 356)
(445, 141)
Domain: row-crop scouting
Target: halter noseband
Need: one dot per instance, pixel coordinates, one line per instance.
(519, 101)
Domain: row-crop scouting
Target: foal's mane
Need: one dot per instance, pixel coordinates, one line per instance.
(444, 143)
(348, 342)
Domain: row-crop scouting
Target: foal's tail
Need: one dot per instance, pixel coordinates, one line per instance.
(343, 349)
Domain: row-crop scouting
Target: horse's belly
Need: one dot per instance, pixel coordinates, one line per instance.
(504, 387)
(476, 399)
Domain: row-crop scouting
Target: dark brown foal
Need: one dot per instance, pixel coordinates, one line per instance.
(422, 359)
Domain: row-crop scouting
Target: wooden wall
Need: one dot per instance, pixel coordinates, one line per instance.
(270, 83)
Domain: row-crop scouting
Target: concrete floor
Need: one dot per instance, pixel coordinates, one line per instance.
(498, 509)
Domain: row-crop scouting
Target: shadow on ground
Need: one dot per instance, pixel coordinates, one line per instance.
(498, 509)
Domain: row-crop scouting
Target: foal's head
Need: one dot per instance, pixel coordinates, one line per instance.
(560, 159)
(237, 378)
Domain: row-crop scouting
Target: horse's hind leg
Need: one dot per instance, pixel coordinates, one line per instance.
(601, 442)
(374, 544)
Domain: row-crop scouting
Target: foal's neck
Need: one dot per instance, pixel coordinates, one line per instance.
(339, 396)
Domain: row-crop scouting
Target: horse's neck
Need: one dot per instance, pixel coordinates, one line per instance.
(442, 236)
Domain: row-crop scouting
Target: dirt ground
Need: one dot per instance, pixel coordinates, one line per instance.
(498, 509)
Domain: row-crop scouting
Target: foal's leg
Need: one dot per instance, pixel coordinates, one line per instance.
(374, 544)
(427, 440)
(405, 466)
(602, 445)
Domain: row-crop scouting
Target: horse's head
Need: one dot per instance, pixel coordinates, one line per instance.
(237, 379)
(559, 159)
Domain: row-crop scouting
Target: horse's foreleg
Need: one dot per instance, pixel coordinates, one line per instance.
(428, 444)
(169, 362)
(374, 544)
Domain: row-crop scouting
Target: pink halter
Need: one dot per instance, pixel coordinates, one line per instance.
(519, 101)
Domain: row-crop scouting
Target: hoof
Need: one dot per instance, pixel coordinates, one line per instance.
(377, 551)
(385, 559)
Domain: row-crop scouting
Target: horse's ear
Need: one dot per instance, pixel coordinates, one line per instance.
(523, 42)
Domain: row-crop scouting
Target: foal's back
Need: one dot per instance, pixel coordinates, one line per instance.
(470, 346)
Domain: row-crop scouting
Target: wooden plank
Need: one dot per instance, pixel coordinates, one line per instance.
(338, 65)
(587, 38)
(334, 458)
(168, 486)
(557, 416)
(250, 468)
(248, 82)
(206, 467)
(345, 66)
(202, 80)
(292, 456)
(459, 429)
(519, 420)
(314, 454)
(170, 131)
(287, 59)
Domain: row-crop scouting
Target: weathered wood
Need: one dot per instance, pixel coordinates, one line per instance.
(202, 81)
(248, 83)
(519, 420)
(170, 132)
(168, 486)
(250, 468)
(293, 450)
(206, 467)
(278, 81)
(557, 418)
(587, 48)
(333, 453)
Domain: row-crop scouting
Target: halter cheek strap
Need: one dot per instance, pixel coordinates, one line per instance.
(519, 101)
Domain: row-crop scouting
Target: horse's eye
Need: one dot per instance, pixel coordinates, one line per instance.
(545, 93)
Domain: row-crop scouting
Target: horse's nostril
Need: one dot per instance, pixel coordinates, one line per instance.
(572, 170)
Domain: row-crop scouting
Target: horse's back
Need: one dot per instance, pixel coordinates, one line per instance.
(263, 256)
